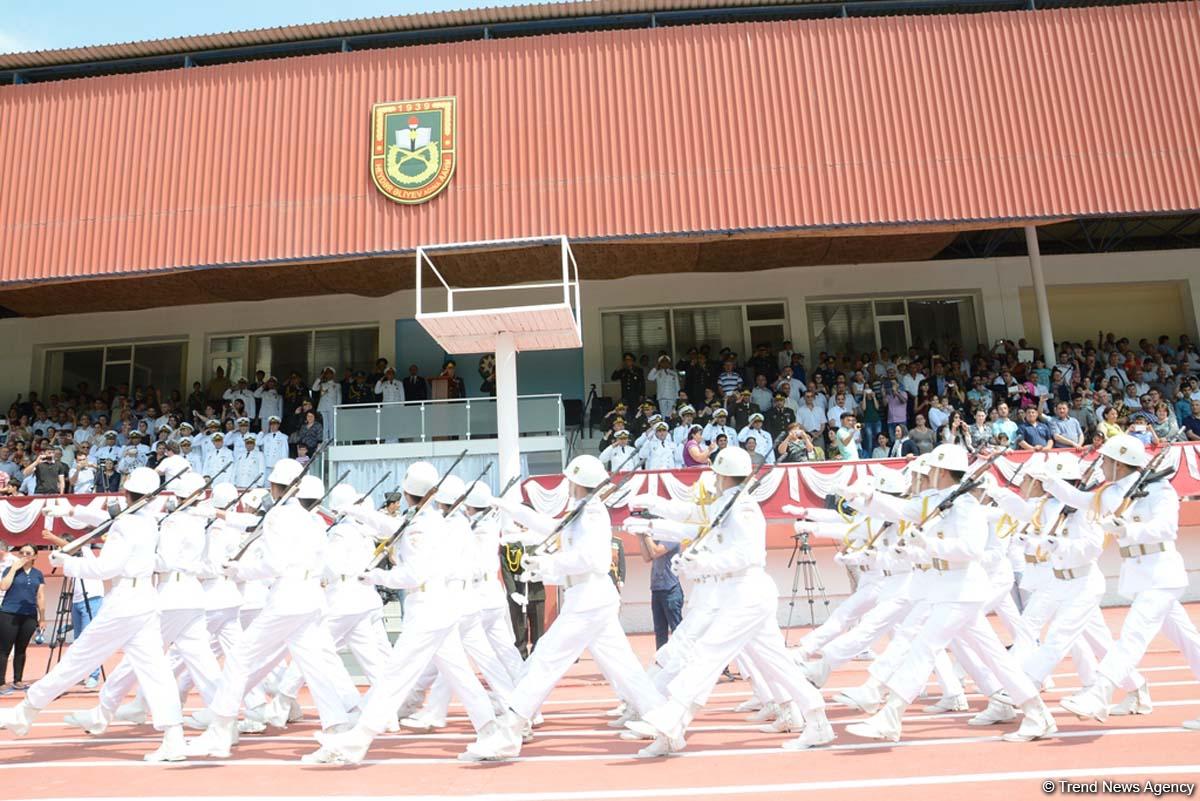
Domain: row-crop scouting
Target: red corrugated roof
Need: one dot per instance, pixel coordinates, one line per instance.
(865, 123)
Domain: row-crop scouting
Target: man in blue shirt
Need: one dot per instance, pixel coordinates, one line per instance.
(666, 596)
(1034, 434)
(1065, 430)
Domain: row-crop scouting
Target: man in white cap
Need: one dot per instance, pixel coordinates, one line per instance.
(732, 555)
(619, 453)
(486, 584)
(958, 588)
(249, 469)
(194, 456)
(329, 394)
(293, 556)
(658, 452)
(180, 601)
(270, 403)
(718, 427)
(273, 443)
(127, 622)
(243, 393)
(425, 564)
(763, 443)
(235, 438)
(578, 558)
(666, 383)
(388, 388)
(679, 434)
(1152, 572)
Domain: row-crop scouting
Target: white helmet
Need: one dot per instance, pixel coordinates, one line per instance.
(733, 463)
(141, 481)
(342, 497)
(285, 472)
(450, 491)
(254, 498)
(480, 496)
(186, 484)
(173, 465)
(1061, 465)
(1125, 449)
(223, 494)
(920, 465)
(586, 471)
(893, 482)
(950, 457)
(311, 489)
(420, 478)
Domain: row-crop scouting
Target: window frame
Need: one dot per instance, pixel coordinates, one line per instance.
(249, 352)
(972, 296)
(105, 362)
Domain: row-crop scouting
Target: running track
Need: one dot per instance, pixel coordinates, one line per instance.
(575, 756)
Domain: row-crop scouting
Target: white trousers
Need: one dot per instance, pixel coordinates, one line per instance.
(183, 629)
(497, 626)
(842, 618)
(140, 637)
(946, 622)
(362, 634)
(896, 654)
(1078, 624)
(1040, 609)
(599, 631)
(414, 651)
(480, 652)
(881, 618)
(973, 662)
(1151, 611)
(311, 648)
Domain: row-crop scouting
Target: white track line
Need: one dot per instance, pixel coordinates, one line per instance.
(749, 789)
(607, 757)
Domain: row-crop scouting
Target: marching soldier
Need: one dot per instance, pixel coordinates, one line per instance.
(528, 617)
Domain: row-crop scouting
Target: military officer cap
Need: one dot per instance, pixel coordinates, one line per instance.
(135, 434)
(661, 426)
(687, 408)
(647, 404)
(273, 419)
(755, 416)
(218, 436)
(185, 440)
(720, 413)
(212, 424)
(182, 426)
(251, 437)
(243, 380)
(620, 420)
(110, 434)
(392, 497)
(780, 396)
(243, 421)
(622, 434)
(654, 418)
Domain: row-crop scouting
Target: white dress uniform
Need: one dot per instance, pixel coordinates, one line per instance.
(270, 404)
(658, 454)
(246, 396)
(292, 557)
(249, 469)
(666, 386)
(1154, 577)
(195, 460)
(128, 621)
(714, 430)
(274, 446)
(391, 390)
(423, 566)
(762, 442)
(733, 556)
(216, 460)
(489, 591)
(180, 600)
(330, 396)
(616, 454)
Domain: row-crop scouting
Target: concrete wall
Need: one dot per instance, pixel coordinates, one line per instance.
(994, 283)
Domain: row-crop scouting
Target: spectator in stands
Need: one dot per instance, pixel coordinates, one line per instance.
(1003, 425)
(795, 445)
(50, 474)
(922, 435)
(1191, 423)
(695, 452)
(730, 380)
(83, 475)
(1065, 431)
(1034, 435)
(9, 466)
(415, 388)
(8, 488)
(218, 385)
(848, 435)
(1083, 413)
(312, 432)
(1109, 427)
(902, 444)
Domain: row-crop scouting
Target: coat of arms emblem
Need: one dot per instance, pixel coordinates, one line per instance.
(412, 147)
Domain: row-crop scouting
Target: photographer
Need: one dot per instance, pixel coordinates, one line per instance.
(49, 472)
(847, 437)
(795, 445)
(21, 612)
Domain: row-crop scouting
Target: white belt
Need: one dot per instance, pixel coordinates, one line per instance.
(942, 566)
(1067, 574)
(583, 578)
(480, 580)
(1135, 551)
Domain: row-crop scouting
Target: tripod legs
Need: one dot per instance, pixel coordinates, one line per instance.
(808, 575)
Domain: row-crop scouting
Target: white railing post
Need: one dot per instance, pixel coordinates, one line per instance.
(423, 421)
(378, 423)
(468, 418)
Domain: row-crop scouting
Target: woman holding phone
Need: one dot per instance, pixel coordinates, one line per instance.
(21, 612)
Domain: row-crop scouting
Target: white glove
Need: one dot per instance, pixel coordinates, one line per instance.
(840, 558)
(801, 527)
(1114, 524)
(798, 512)
(230, 570)
(370, 577)
(647, 502)
(637, 526)
(532, 563)
(857, 492)
(58, 558)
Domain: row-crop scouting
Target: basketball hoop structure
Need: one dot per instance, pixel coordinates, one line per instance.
(469, 325)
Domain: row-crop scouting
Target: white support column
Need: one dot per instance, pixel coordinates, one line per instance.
(507, 426)
(1039, 293)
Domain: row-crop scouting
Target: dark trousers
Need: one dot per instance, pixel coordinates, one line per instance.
(528, 624)
(666, 606)
(15, 633)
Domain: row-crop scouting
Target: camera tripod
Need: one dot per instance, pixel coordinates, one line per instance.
(62, 622)
(806, 570)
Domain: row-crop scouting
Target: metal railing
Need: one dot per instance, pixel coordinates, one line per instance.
(461, 418)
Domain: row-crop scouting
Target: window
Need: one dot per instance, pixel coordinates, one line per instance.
(861, 326)
(647, 332)
(279, 353)
(136, 365)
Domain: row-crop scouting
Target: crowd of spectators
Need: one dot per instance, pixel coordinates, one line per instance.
(880, 404)
(87, 440)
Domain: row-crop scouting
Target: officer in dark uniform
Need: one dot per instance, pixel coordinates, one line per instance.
(633, 380)
(778, 417)
(741, 409)
(455, 388)
(618, 424)
(359, 391)
(641, 421)
(616, 568)
(530, 622)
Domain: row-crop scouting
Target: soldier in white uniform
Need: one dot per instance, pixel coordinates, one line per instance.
(195, 458)
(270, 403)
(249, 468)
(666, 383)
(658, 453)
(754, 430)
(273, 443)
(1152, 573)
(109, 450)
(579, 561)
(494, 616)
(718, 427)
(218, 457)
(127, 622)
(293, 556)
(329, 392)
(619, 453)
(733, 556)
(243, 393)
(424, 565)
(391, 390)
(235, 438)
(205, 441)
(687, 416)
(957, 592)
(180, 602)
